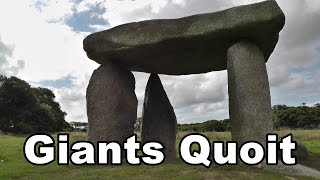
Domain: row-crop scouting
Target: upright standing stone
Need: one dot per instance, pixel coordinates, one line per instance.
(111, 104)
(249, 94)
(158, 119)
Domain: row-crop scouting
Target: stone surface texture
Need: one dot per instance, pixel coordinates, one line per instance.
(189, 45)
(158, 118)
(111, 104)
(298, 170)
(301, 153)
(249, 94)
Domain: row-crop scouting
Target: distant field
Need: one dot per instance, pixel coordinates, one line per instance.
(14, 166)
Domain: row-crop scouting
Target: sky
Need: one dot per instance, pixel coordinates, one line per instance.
(41, 42)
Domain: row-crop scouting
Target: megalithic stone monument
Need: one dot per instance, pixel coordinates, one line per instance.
(239, 40)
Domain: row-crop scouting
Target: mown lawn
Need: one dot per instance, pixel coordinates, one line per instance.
(14, 166)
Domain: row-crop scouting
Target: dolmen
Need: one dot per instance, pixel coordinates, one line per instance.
(239, 40)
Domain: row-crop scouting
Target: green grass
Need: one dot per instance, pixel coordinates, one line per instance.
(14, 166)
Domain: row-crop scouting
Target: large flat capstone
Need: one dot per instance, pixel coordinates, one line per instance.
(189, 45)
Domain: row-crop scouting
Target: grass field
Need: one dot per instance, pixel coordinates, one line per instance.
(14, 166)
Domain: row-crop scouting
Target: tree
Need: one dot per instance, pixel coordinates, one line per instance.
(317, 105)
(16, 101)
(24, 109)
(45, 98)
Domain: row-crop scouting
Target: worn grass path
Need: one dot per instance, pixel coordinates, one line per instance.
(14, 166)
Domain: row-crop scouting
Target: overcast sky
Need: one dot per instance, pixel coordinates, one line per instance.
(41, 42)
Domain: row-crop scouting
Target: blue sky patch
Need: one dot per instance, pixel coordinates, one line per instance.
(63, 82)
(81, 21)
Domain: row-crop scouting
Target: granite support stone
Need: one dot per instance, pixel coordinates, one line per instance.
(111, 104)
(158, 118)
(249, 93)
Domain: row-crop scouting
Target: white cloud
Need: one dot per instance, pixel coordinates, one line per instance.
(8, 65)
(52, 10)
(73, 101)
(119, 12)
(50, 51)
(85, 5)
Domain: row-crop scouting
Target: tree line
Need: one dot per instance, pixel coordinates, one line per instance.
(284, 117)
(301, 117)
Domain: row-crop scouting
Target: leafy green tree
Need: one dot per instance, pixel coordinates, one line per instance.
(16, 104)
(28, 110)
(45, 98)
